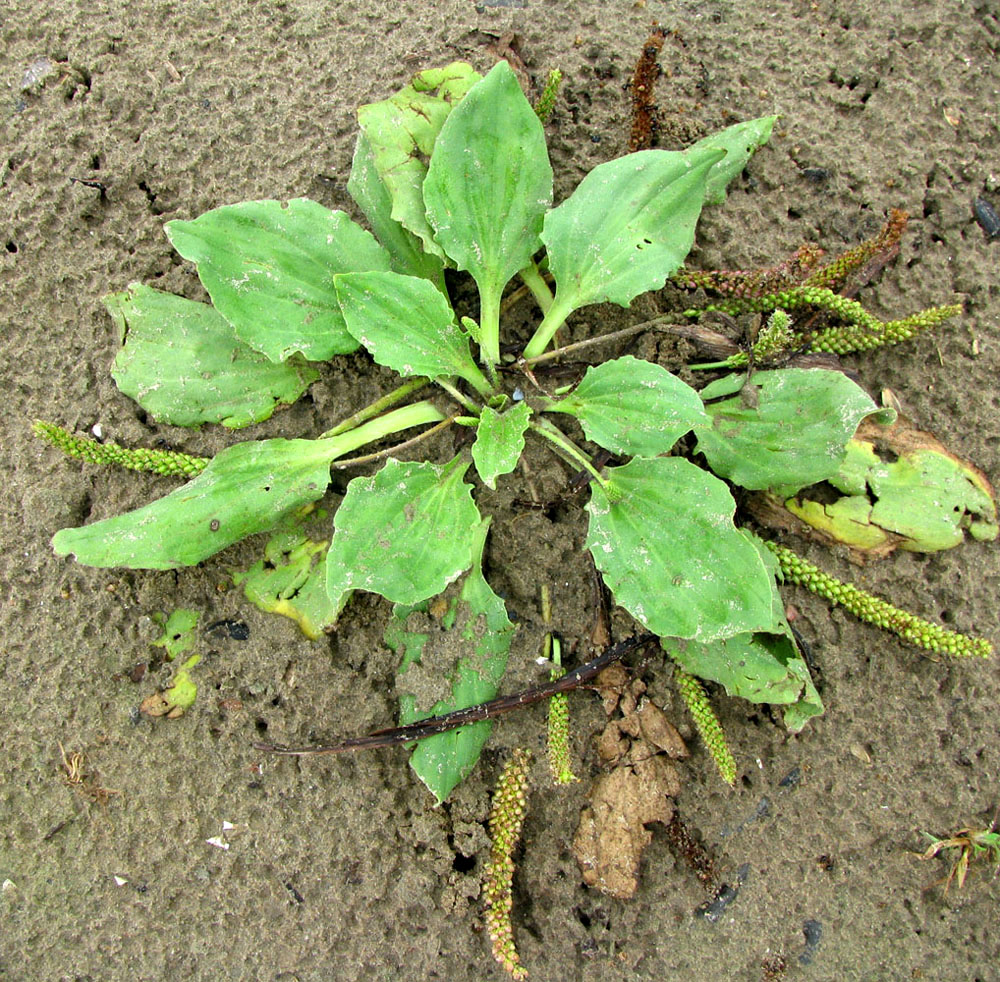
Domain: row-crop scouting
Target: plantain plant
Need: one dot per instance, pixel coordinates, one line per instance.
(453, 172)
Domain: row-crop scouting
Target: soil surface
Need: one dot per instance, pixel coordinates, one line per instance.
(113, 121)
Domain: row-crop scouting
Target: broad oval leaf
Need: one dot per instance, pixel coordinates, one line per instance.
(489, 182)
(404, 533)
(183, 363)
(368, 188)
(663, 537)
(740, 142)
(627, 226)
(630, 406)
(761, 668)
(269, 266)
(402, 130)
(795, 435)
(467, 649)
(499, 441)
(407, 325)
(244, 489)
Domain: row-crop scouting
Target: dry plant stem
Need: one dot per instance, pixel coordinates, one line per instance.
(626, 332)
(506, 820)
(395, 736)
(389, 451)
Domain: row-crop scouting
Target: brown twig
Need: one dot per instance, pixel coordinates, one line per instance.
(657, 322)
(394, 736)
(389, 451)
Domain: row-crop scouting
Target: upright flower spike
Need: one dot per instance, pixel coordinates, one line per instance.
(707, 723)
(547, 100)
(506, 819)
(558, 722)
(881, 613)
(167, 462)
(558, 738)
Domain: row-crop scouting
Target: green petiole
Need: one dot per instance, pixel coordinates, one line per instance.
(554, 318)
(418, 414)
(535, 282)
(559, 439)
(380, 405)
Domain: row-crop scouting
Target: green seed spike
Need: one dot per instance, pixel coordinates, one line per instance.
(547, 100)
(881, 613)
(558, 738)
(558, 728)
(843, 340)
(861, 330)
(166, 462)
(709, 727)
(506, 819)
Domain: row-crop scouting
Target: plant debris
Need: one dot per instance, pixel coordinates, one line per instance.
(641, 747)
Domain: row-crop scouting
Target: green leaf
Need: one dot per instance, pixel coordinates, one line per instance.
(630, 406)
(268, 267)
(183, 363)
(761, 668)
(402, 131)
(407, 325)
(404, 533)
(178, 632)
(740, 142)
(662, 534)
(291, 579)
(245, 489)
(627, 226)
(489, 182)
(465, 652)
(499, 441)
(369, 190)
(795, 435)
(924, 499)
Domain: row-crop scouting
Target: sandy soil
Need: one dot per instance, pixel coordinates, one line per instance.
(342, 869)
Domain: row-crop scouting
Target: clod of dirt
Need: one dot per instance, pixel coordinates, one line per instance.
(639, 790)
(612, 833)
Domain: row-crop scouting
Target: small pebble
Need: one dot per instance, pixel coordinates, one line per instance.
(986, 216)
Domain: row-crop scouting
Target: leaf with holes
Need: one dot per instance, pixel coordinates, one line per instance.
(627, 226)
(463, 647)
(740, 142)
